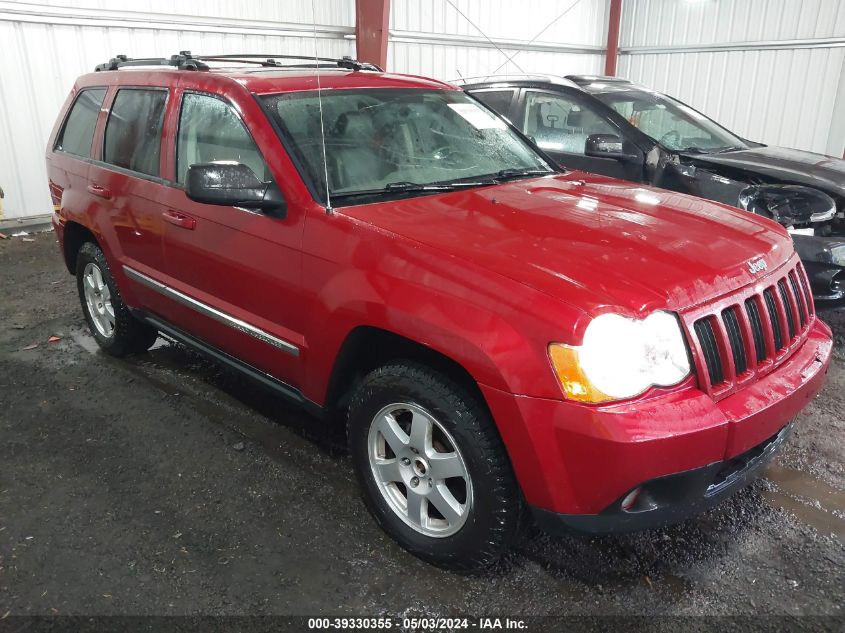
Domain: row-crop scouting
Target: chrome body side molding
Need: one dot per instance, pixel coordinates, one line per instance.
(211, 312)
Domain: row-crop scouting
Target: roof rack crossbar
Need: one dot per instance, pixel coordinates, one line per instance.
(186, 61)
(183, 61)
(343, 62)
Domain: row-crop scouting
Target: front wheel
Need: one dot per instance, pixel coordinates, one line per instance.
(434, 470)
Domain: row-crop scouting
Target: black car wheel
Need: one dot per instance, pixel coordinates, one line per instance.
(433, 468)
(113, 326)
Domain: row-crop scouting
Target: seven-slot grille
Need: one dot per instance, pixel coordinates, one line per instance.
(754, 331)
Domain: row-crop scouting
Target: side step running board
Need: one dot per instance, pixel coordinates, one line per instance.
(274, 384)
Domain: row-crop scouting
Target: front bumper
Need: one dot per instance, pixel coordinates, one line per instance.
(573, 459)
(672, 498)
(823, 260)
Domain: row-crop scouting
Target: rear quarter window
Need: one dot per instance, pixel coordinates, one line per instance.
(77, 134)
(133, 130)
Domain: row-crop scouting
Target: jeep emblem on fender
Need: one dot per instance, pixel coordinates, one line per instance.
(757, 266)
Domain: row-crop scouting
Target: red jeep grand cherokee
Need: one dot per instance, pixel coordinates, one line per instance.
(500, 335)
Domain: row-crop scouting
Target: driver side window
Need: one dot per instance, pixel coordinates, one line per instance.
(561, 123)
(209, 131)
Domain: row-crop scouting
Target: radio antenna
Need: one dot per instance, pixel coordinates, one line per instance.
(329, 209)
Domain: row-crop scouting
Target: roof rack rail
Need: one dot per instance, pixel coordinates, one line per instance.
(186, 61)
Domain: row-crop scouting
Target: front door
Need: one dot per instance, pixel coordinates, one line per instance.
(560, 122)
(237, 272)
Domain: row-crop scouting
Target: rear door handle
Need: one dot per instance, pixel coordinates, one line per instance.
(180, 219)
(100, 192)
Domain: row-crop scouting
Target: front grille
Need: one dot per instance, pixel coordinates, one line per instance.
(799, 296)
(790, 317)
(704, 330)
(735, 339)
(756, 328)
(753, 331)
(774, 317)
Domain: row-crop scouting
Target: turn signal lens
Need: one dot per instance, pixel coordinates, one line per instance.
(575, 384)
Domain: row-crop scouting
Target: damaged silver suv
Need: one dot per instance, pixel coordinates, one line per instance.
(611, 126)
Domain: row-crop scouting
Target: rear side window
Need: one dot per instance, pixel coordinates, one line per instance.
(78, 132)
(133, 131)
(209, 131)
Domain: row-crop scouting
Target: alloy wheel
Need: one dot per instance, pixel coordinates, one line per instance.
(419, 470)
(98, 299)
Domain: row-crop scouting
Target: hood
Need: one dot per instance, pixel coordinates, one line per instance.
(592, 241)
(782, 164)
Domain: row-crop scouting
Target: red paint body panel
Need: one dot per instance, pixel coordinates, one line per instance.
(576, 459)
(488, 277)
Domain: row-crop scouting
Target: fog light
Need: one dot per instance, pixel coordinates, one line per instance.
(631, 498)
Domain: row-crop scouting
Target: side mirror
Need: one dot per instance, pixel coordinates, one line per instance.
(604, 146)
(234, 185)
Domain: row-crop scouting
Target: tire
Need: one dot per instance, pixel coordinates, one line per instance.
(116, 331)
(470, 535)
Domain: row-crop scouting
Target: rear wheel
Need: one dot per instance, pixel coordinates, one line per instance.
(111, 323)
(433, 468)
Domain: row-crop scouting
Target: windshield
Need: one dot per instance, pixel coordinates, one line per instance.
(399, 141)
(673, 124)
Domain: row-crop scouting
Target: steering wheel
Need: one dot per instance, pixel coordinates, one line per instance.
(672, 138)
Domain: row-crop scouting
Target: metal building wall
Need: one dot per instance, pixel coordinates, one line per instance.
(771, 70)
(431, 37)
(45, 46)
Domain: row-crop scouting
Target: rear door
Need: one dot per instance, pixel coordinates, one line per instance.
(125, 183)
(70, 160)
(238, 271)
(560, 122)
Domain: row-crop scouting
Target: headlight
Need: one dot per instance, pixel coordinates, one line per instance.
(837, 254)
(622, 357)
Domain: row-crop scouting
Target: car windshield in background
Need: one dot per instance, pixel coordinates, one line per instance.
(673, 124)
(399, 141)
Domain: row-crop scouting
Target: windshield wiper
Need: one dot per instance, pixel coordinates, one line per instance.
(413, 187)
(446, 186)
(732, 148)
(509, 174)
(709, 150)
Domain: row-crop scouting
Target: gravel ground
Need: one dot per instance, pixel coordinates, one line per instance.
(163, 484)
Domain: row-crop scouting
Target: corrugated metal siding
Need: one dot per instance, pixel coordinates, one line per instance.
(43, 54)
(680, 22)
(780, 97)
(510, 24)
(451, 61)
(584, 24)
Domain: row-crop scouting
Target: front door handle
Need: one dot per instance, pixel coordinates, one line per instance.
(179, 219)
(100, 192)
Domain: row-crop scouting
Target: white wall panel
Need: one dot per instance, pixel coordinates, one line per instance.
(44, 47)
(585, 23)
(779, 87)
(452, 61)
(683, 22)
(431, 37)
